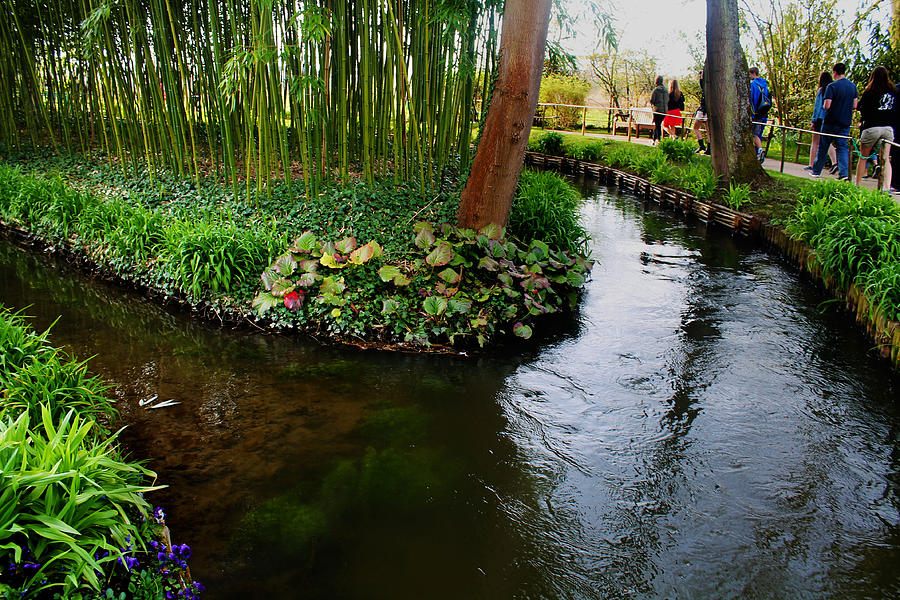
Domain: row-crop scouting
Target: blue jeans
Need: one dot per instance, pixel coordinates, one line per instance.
(840, 145)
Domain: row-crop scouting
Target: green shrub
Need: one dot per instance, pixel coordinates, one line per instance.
(564, 89)
(459, 286)
(65, 499)
(855, 233)
(646, 163)
(550, 143)
(737, 195)
(678, 150)
(589, 152)
(663, 174)
(546, 208)
(699, 179)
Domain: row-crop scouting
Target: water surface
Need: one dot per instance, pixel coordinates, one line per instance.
(704, 428)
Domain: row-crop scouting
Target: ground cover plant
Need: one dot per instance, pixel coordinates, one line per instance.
(674, 163)
(74, 522)
(201, 243)
(855, 233)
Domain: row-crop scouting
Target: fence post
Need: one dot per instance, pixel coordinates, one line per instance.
(783, 143)
(879, 185)
(630, 120)
(584, 121)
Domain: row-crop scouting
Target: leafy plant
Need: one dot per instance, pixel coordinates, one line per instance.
(699, 180)
(66, 499)
(678, 150)
(737, 195)
(460, 286)
(546, 208)
(550, 143)
(590, 152)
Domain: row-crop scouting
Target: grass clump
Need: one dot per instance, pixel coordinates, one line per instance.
(682, 151)
(74, 522)
(546, 208)
(549, 143)
(855, 233)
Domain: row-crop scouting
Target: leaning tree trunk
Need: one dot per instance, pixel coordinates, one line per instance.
(728, 97)
(488, 195)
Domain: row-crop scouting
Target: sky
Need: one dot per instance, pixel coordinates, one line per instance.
(663, 27)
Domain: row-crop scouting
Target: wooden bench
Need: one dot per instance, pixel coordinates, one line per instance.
(642, 120)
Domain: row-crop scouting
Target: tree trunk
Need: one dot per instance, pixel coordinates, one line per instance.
(895, 25)
(488, 195)
(728, 97)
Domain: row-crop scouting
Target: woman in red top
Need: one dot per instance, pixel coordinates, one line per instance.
(676, 105)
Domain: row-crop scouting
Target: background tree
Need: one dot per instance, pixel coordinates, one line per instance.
(795, 42)
(564, 89)
(488, 194)
(728, 96)
(625, 76)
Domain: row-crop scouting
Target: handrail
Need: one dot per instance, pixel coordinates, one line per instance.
(642, 109)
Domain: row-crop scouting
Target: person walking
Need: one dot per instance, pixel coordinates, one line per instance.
(876, 108)
(817, 117)
(659, 100)
(840, 101)
(675, 105)
(700, 118)
(760, 103)
(895, 156)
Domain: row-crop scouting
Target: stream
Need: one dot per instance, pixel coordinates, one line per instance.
(708, 425)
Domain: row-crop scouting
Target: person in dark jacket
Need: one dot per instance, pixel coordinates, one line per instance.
(877, 107)
(895, 155)
(840, 101)
(659, 100)
(700, 120)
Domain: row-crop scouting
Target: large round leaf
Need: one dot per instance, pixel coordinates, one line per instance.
(441, 255)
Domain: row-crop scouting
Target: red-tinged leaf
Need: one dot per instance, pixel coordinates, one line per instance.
(294, 300)
(521, 330)
(450, 276)
(425, 238)
(441, 255)
(364, 254)
(346, 245)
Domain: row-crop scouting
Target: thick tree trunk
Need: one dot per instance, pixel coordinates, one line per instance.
(488, 195)
(728, 96)
(895, 25)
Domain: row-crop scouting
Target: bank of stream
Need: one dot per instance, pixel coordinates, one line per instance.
(705, 427)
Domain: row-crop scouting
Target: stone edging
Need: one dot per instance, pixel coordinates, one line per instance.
(884, 332)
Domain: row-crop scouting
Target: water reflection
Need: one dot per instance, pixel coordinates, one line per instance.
(700, 429)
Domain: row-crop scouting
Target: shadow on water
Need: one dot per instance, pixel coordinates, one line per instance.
(701, 428)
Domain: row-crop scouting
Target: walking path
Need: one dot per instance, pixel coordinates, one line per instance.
(771, 164)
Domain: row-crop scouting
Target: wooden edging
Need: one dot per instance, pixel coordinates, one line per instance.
(884, 332)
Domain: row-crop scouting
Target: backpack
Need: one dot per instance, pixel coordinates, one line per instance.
(764, 103)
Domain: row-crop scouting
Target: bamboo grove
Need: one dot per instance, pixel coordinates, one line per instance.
(250, 91)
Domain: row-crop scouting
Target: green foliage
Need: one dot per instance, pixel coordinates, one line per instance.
(678, 150)
(546, 208)
(699, 179)
(65, 498)
(591, 152)
(737, 195)
(458, 287)
(550, 143)
(795, 42)
(564, 89)
(855, 233)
